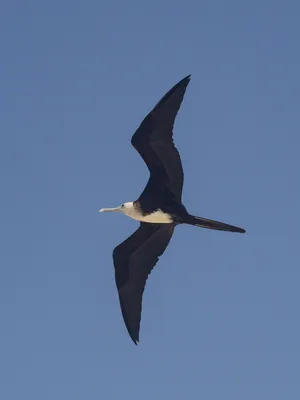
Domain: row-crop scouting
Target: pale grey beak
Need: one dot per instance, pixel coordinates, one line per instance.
(109, 209)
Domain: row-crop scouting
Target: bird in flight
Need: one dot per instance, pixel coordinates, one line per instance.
(159, 208)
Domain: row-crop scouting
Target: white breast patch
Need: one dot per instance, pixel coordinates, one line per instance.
(157, 217)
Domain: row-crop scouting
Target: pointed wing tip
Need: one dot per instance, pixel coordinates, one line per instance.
(187, 78)
(135, 339)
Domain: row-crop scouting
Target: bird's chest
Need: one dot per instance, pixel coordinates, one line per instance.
(156, 217)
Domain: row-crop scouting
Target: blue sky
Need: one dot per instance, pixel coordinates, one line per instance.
(221, 311)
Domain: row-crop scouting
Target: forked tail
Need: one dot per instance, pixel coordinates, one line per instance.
(210, 224)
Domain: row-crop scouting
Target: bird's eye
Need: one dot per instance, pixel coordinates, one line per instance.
(122, 205)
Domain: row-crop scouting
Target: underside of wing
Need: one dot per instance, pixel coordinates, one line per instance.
(134, 260)
(154, 141)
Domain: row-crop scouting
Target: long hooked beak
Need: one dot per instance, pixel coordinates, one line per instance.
(109, 209)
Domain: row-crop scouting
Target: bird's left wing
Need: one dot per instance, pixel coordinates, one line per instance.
(134, 260)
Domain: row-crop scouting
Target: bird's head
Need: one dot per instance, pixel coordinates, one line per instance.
(124, 208)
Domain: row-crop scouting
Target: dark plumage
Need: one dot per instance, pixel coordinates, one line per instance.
(159, 207)
(154, 141)
(134, 260)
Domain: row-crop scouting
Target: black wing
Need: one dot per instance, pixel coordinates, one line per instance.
(154, 141)
(134, 259)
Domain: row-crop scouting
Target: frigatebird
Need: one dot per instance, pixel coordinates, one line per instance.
(159, 208)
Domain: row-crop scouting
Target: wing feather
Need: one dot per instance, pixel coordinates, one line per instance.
(134, 260)
(154, 141)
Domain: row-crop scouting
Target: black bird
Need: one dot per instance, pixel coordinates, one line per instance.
(159, 208)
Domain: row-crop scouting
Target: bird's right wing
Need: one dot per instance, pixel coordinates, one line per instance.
(154, 141)
(134, 259)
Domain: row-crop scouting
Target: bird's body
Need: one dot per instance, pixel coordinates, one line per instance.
(134, 211)
(156, 217)
(159, 208)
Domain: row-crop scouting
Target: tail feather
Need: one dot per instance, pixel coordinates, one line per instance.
(210, 224)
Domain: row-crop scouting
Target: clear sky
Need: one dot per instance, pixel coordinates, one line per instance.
(221, 310)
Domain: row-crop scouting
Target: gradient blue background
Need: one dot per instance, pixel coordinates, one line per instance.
(221, 310)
